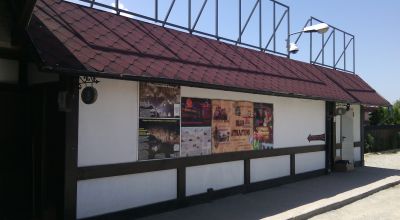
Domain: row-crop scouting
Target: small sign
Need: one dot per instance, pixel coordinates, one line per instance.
(320, 137)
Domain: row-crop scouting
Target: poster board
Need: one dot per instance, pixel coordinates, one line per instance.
(196, 141)
(196, 126)
(159, 100)
(262, 137)
(159, 123)
(232, 126)
(158, 138)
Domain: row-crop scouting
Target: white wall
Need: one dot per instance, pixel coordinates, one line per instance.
(338, 121)
(216, 176)
(110, 194)
(8, 71)
(269, 168)
(294, 119)
(108, 129)
(309, 161)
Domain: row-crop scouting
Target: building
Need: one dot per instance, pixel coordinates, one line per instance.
(173, 118)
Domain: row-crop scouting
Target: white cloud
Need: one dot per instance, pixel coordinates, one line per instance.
(122, 6)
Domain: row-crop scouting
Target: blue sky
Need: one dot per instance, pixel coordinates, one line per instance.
(374, 24)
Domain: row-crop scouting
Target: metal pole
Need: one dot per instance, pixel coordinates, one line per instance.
(260, 25)
(240, 20)
(311, 23)
(344, 50)
(156, 10)
(190, 16)
(274, 33)
(216, 18)
(334, 49)
(354, 55)
(288, 32)
(117, 6)
(323, 48)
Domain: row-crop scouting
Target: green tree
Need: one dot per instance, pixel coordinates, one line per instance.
(386, 116)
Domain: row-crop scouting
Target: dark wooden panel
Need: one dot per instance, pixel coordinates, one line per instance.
(92, 172)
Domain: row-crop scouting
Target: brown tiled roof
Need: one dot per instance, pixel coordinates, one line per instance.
(78, 39)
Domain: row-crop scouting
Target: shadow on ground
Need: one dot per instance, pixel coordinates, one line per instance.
(279, 199)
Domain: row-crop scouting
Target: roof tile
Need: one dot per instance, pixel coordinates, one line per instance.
(118, 46)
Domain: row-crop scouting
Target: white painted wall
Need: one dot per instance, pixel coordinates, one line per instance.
(338, 121)
(269, 168)
(216, 176)
(110, 194)
(108, 129)
(357, 154)
(356, 123)
(309, 161)
(294, 119)
(8, 71)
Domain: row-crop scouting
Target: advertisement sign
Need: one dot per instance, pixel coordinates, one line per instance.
(262, 137)
(159, 101)
(195, 112)
(196, 141)
(158, 138)
(232, 125)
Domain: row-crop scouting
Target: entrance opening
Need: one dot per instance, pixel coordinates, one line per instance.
(347, 136)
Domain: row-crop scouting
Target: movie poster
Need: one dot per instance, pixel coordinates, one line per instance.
(195, 112)
(232, 125)
(263, 126)
(158, 138)
(159, 101)
(196, 141)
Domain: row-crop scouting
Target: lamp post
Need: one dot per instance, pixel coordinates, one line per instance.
(319, 28)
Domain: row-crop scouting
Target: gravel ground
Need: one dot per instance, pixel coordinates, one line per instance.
(381, 205)
(387, 159)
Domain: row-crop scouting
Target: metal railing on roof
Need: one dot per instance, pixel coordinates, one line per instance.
(266, 38)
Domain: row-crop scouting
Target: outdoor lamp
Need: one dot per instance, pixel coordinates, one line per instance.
(319, 28)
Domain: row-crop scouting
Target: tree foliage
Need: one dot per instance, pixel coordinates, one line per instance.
(386, 116)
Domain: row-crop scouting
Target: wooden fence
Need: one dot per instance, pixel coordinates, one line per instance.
(381, 137)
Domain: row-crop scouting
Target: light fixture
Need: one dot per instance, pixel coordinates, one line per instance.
(318, 28)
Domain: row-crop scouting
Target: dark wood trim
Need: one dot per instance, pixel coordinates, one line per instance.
(329, 135)
(247, 171)
(362, 137)
(10, 53)
(356, 144)
(99, 171)
(292, 164)
(204, 197)
(358, 164)
(9, 87)
(181, 183)
(71, 148)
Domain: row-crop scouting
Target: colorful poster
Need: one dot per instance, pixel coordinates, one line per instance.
(196, 141)
(158, 138)
(195, 112)
(159, 101)
(232, 125)
(263, 126)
